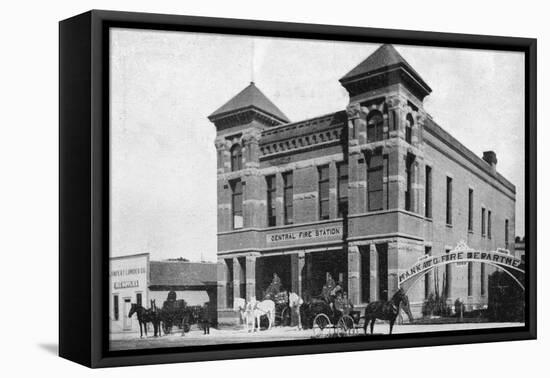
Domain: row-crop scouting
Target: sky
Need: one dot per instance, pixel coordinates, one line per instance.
(165, 84)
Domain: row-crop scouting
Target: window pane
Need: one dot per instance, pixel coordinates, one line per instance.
(323, 173)
(375, 128)
(375, 200)
(115, 306)
(370, 133)
(324, 209)
(428, 193)
(343, 188)
(323, 189)
(237, 203)
(489, 225)
(375, 180)
(289, 216)
(287, 178)
(449, 215)
(236, 158)
(376, 161)
(237, 221)
(342, 207)
(343, 180)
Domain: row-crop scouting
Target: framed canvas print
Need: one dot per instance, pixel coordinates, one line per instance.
(234, 188)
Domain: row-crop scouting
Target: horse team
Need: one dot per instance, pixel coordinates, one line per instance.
(251, 312)
(175, 312)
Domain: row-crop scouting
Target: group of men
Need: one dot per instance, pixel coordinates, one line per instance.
(333, 293)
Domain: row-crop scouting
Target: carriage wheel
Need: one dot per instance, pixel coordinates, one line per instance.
(320, 323)
(346, 326)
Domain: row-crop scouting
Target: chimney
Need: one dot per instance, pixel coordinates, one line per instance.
(491, 158)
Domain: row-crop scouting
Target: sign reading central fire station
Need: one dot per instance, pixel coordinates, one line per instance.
(309, 234)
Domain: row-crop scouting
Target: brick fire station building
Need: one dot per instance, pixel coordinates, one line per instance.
(361, 194)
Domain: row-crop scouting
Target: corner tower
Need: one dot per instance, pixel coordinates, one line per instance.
(386, 166)
(241, 189)
(385, 121)
(239, 124)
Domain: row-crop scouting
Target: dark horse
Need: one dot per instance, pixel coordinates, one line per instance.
(387, 310)
(144, 316)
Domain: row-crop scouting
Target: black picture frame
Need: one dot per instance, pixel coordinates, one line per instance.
(84, 186)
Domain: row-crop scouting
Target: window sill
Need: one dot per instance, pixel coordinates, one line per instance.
(448, 225)
(471, 232)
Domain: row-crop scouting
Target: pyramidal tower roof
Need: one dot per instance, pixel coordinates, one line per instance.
(385, 59)
(250, 97)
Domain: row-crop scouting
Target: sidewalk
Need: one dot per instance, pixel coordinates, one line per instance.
(122, 341)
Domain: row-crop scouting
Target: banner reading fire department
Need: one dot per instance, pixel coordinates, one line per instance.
(457, 256)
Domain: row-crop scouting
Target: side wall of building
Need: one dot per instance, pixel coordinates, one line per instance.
(491, 195)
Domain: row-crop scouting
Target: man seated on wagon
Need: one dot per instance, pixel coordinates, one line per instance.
(274, 287)
(328, 288)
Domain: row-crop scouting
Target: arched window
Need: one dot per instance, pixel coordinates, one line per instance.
(236, 158)
(408, 128)
(375, 126)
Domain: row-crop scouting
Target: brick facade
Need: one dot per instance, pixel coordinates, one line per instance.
(387, 141)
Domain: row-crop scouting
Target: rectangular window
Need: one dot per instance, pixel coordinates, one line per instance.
(365, 273)
(408, 189)
(408, 134)
(448, 277)
(288, 197)
(342, 190)
(427, 276)
(115, 307)
(482, 279)
(375, 183)
(382, 250)
(470, 278)
(138, 299)
(324, 212)
(229, 283)
(482, 222)
(449, 217)
(489, 224)
(428, 192)
(237, 203)
(470, 210)
(506, 236)
(271, 193)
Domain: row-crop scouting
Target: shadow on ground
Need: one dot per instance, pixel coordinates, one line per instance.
(52, 348)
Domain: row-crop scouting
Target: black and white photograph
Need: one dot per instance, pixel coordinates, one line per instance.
(267, 189)
(292, 188)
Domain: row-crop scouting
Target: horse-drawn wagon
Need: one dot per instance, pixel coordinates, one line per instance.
(340, 325)
(282, 307)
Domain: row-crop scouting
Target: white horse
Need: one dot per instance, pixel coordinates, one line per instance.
(294, 302)
(267, 308)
